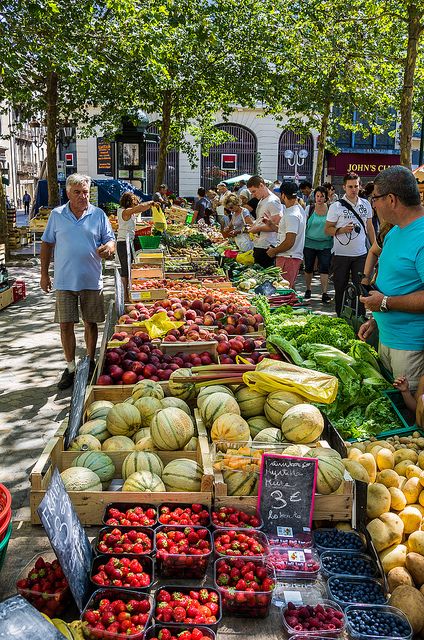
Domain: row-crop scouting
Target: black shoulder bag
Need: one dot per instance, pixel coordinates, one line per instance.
(359, 219)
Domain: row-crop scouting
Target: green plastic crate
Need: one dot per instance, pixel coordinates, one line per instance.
(149, 242)
(396, 400)
(3, 545)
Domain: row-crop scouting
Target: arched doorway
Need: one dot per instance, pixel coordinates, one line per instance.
(244, 146)
(295, 143)
(171, 178)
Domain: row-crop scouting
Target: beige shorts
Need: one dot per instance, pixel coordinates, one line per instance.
(403, 363)
(91, 303)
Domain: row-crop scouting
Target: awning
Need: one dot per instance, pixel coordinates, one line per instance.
(244, 177)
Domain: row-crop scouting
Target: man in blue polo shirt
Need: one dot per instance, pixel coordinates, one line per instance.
(80, 235)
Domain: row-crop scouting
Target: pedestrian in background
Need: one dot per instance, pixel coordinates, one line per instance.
(161, 197)
(318, 244)
(26, 200)
(80, 236)
(202, 208)
(268, 214)
(239, 222)
(305, 187)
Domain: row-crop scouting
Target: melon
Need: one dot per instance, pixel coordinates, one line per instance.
(85, 443)
(118, 443)
(129, 400)
(213, 388)
(145, 444)
(296, 450)
(192, 444)
(99, 409)
(257, 424)
(141, 433)
(143, 481)
(96, 428)
(147, 408)
(182, 475)
(230, 427)
(147, 388)
(251, 402)
(175, 402)
(277, 403)
(123, 420)
(217, 404)
(171, 429)
(98, 462)
(80, 479)
(272, 435)
(141, 461)
(183, 390)
(240, 483)
(330, 469)
(302, 424)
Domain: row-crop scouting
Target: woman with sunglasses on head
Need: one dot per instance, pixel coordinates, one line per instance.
(318, 245)
(240, 219)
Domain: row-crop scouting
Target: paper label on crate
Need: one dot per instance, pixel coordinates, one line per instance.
(296, 556)
(145, 295)
(293, 596)
(285, 532)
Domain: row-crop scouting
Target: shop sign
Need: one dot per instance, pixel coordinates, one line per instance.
(19, 620)
(286, 493)
(69, 159)
(229, 161)
(104, 157)
(364, 164)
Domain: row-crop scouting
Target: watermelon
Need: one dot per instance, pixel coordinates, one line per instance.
(256, 424)
(147, 388)
(141, 461)
(147, 408)
(302, 424)
(272, 435)
(99, 409)
(183, 390)
(85, 443)
(98, 462)
(330, 469)
(240, 483)
(182, 475)
(277, 404)
(213, 388)
(143, 481)
(230, 427)
(217, 404)
(96, 428)
(80, 479)
(251, 402)
(123, 420)
(175, 402)
(171, 429)
(118, 443)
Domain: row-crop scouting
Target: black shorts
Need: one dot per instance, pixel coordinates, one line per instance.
(324, 259)
(260, 256)
(121, 248)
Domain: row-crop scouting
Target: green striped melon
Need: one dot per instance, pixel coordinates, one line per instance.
(251, 402)
(98, 462)
(182, 475)
(99, 409)
(230, 427)
(175, 402)
(240, 483)
(147, 388)
(277, 404)
(145, 444)
(272, 435)
(143, 481)
(171, 429)
(302, 424)
(147, 408)
(330, 469)
(85, 443)
(257, 424)
(183, 390)
(213, 388)
(123, 420)
(118, 443)
(192, 444)
(141, 461)
(80, 479)
(217, 404)
(141, 433)
(129, 400)
(96, 428)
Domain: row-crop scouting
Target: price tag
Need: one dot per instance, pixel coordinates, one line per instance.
(296, 556)
(145, 295)
(293, 596)
(285, 532)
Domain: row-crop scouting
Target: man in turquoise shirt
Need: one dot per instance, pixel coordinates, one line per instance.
(398, 301)
(80, 235)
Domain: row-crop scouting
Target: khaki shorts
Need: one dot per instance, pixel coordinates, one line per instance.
(403, 363)
(91, 302)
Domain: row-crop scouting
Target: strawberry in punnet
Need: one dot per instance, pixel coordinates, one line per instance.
(230, 517)
(180, 634)
(193, 608)
(182, 549)
(196, 514)
(229, 542)
(245, 585)
(124, 572)
(45, 587)
(134, 517)
(116, 617)
(115, 541)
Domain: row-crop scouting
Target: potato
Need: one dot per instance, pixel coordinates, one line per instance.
(361, 446)
(354, 453)
(405, 454)
(356, 470)
(398, 576)
(413, 472)
(387, 445)
(385, 459)
(344, 526)
(401, 467)
(421, 498)
(411, 490)
(378, 500)
(415, 565)
(388, 477)
(398, 500)
(401, 481)
(416, 542)
(386, 530)
(368, 462)
(375, 449)
(420, 461)
(411, 518)
(411, 602)
(394, 556)
(420, 508)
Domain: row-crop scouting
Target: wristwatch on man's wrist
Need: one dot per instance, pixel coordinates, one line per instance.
(383, 306)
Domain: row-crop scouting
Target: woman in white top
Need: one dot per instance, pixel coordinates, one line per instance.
(129, 207)
(240, 217)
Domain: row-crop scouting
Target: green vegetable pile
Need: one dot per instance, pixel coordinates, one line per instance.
(255, 275)
(181, 242)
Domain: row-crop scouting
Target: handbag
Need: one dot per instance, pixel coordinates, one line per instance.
(359, 219)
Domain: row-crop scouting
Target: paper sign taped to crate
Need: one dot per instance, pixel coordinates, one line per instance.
(19, 620)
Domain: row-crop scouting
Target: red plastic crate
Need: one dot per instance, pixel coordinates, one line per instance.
(19, 291)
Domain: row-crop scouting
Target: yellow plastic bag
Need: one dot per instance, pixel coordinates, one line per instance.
(274, 375)
(246, 257)
(159, 219)
(160, 324)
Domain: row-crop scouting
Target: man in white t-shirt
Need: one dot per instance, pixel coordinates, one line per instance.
(291, 234)
(349, 221)
(268, 214)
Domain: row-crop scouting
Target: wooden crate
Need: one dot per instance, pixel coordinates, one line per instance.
(6, 298)
(140, 273)
(148, 294)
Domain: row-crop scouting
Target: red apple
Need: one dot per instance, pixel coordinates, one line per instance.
(104, 380)
(129, 377)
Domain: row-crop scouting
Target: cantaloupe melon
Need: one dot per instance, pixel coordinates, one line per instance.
(213, 388)
(142, 461)
(230, 427)
(118, 443)
(217, 404)
(182, 475)
(171, 429)
(183, 390)
(302, 424)
(143, 481)
(147, 389)
(80, 479)
(147, 408)
(123, 420)
(98, 462)
(85, 443)
(272, 435)
(141, 433)
(330, 470)
(98, 409)
(251, 402)
(277, 403)
(175, 402)
(192, 444)
(96, 428)
(241, 483)
(145, 444)
(257, 424)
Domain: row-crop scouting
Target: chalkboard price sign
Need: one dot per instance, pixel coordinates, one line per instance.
(19, 620)
(286, 492)
(67, 538)
(77, 400)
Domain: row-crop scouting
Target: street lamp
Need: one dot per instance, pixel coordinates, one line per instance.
(296, 159)
(39, 133)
